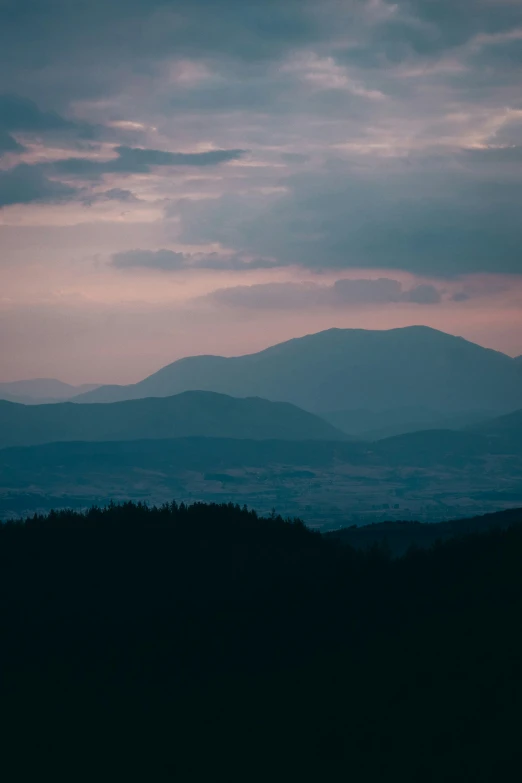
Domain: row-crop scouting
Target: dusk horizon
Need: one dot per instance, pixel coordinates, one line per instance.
(182, 178)
(261, 390)
(83, 381)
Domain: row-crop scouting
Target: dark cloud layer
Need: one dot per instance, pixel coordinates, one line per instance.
(165, 260)
(343, 293)
(25, 184)
(135, 160)
(155, 27)
(431, 85)
(8, 143)
(139, 29)
(413, 28)
(113, 194)
(171, 261)
(439, 217)
(20, 114)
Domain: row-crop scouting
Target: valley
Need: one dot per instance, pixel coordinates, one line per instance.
(327, 484)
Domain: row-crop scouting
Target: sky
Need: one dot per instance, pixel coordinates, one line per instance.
(181, 177)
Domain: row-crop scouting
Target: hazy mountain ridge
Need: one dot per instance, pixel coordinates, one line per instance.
(374, 425)
(346, 369)
(189, 414)
(504, 427)
(37, 391)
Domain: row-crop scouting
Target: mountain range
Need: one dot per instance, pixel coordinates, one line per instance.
(194, 413)
(341, 370)
(504, 428)
(364, 424)
(369, 384)
(209, 428)
(42, 390)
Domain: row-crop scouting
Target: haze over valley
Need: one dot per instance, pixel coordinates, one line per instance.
(409, 423)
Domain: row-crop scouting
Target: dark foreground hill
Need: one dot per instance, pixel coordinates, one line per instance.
(205, 643)
(346, 369)
(398, 537)
(189, 414)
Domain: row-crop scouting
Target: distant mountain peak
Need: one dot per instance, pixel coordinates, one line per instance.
(348, 369)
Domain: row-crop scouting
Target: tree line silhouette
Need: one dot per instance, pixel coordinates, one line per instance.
(183, 641)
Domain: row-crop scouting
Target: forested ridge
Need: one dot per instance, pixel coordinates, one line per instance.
(184, 642)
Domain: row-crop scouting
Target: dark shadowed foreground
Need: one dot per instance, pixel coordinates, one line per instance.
(205, 643)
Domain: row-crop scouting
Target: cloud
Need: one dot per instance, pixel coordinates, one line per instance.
(510, 132)
(413, 28)
(406, 114)
(423, 294)
(135, 160)
(8, 143)
(21, 114)
(123, 31)
(460, 296)
(342, 293)
(234, 262)
(113, 194)
(118, 194)
(511, 153)
(293, 157)
(171, 261)
(26, 184)
(432, 215)
(366, 291)
(154, 28)
(166, 260)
